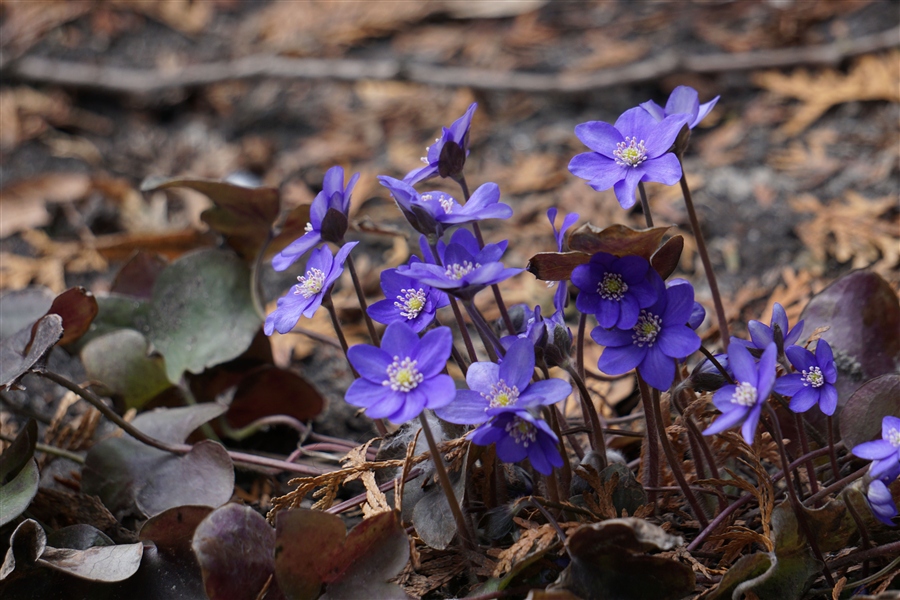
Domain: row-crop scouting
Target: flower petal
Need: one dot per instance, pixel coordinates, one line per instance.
(678, 341)
(726, 421)
(545, 392)
(748, 430)
(685, 100)
(364, 393)
(704, 110)
(742, 364)
(600, 137)
(295, 250)
(467, 409)
(625, 188)
(766, 378)
(657, 369)
(656, 111)
(804, 400)
(790, 384)
(662, 169)
(875, 450)
(438, 391)
(399, 340)
(482, 375)
(662, 135)
(828, 399)
(370, 362)
(616, 361)
(680, 303)
(517, 367)
(612, 337)
(434, 350)
(600, 172)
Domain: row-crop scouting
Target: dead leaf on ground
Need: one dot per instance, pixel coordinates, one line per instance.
(872, 77)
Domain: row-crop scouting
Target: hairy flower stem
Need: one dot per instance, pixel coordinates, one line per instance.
(645, 204)
(832, 455)
(804, 447)
(651, 469)
(704, 258)
(476, 229)
(861, 526)
(716, 364)
(444, 480)
(598, 442)
(674, 462)
(573, 439)
(491, 343)
(579, 346)
(361, 296)
(792, 494)
(699, 448)
(565, 472)
(237, 457)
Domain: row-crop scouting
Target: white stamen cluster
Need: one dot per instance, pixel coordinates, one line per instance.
(813, 377)
(403, 376)
(893, 437)
(647, 328)
(612, 287)
(745, 394)
(501, 394)
(631, 152)
(309, 227)
(446, 203)
(411, 302)
(521, 431)
(311, 283)
(458, 271)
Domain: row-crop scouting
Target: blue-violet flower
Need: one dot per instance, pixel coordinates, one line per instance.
(305, 298)
(635, 149)
(457, 133)
(743, 401)
(403, 377)
(559, 298)
(616, 289)
(333, 196)
(465, 268)
(778, 331)
(407, 300)
(432, 212)
(682, 100)
(657, 340)
(497, 388)
(519, 435)
(814, 381)
(884, 453)
(881, 502)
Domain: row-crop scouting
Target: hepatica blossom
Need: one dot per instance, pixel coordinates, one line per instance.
(884, 453)
(682, 100)
(333, 196)
(616, 289)
(458, 133)
(779, 331)
(559, 298)
(742, 402)
(465, 268)
(519, 435)
(659, 337)
(813, 383)
(305, 298)
(431, 212)
(403, 377)
(635, 149)
(881, 501)
(494, 388)
(407, 300)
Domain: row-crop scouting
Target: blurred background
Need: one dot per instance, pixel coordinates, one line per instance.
(795, 171)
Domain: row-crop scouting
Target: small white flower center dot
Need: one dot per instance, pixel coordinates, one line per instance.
(647, 329)
(309, 227)
(521, 431)
(411, 302)
(501, 394)
(403, 376)
(813, 377)
(630, 152)
(893, 437)
(311, 283)
(458, 271)
(745, 394)
(612, 287)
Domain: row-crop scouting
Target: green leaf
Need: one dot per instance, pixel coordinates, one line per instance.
(202, 312)
(19, 452)
(16, 495)
(121, 362)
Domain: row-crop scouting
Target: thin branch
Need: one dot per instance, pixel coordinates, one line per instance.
(120, 80)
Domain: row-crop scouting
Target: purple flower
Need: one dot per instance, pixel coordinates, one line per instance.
(762, 335)
(519, 435)
(551, 337)
(659, 337)
(635, 149)
(814, 384)
(616, 289)
(494, 388)
(403, 377)
(698, 313)
(682, 100)
(458, 133)
(431, 212)
(885, 453)
(706, 377)
(881, 502)
(743, 401)
(465, 268)
(305, 298)
(407, 300)
(334, 196)
(559, 298)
